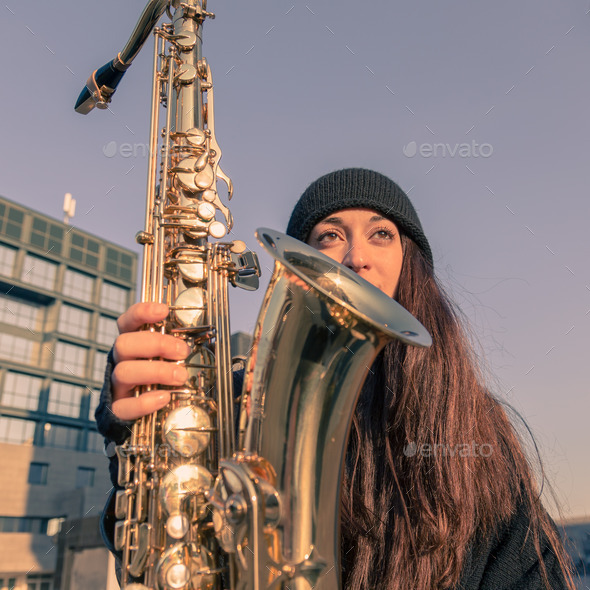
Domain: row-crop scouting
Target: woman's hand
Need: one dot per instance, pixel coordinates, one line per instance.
(131, 353)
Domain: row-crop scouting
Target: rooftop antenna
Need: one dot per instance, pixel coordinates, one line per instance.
(69, 207)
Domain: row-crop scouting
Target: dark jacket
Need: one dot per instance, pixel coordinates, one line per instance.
(506, 560)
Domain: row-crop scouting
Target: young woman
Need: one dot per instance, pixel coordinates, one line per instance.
(438, 492)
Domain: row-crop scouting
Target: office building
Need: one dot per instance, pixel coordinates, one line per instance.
(61, 290)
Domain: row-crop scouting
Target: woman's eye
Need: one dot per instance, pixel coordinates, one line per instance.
(384, 234)
(328, 236)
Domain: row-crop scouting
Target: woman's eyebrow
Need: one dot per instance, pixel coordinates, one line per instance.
(333, 219)
(338, 220)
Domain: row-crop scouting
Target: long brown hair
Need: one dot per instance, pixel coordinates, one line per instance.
(433, 461)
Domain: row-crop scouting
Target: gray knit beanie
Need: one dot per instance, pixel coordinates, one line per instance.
(356, 187)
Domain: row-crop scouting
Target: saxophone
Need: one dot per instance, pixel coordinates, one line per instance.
(208, 501)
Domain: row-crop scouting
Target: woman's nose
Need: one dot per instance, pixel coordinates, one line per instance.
(355, 257)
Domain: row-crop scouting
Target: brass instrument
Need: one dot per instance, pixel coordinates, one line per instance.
(201, 508)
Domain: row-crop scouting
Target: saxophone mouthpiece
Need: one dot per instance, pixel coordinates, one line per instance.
(101, 86)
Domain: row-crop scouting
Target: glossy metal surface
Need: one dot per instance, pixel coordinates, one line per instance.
(320, 328)
(148, 19)
(188, 430)
(318, 362)
(164, 530)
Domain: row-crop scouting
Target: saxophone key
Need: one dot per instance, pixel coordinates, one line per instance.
(217, 230)
(141, 503)
(186, 74)
(124, 469)
(187, 566)
(183, 483)
(192, 178)
(142, 552)
(195, 272)
(189, 307)
(211, 196)
(186, 41)
(120, 536)
(204, 178)
(177, 525)
(187, 430)
(202, 161)
(122, 503)
(196, 137)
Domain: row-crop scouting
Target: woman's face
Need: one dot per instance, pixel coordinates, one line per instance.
(364, 241)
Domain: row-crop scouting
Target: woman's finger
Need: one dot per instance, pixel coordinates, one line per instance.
(131, 408)
(145, 345)
(128, 374)
(141, 313)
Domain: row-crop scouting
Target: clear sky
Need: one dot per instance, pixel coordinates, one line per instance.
(479, 110)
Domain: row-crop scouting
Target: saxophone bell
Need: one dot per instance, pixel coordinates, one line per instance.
(277, 501)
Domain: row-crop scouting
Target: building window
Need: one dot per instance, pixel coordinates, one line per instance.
(40, 581)
(95, 442)
(85, 477)
(21, 391)
(113, 298)
(16, 348)
(70, 359)
(73, 321)
(38, 473)
(23, 524)
(16, 431)
(19, 313)
(7, 258)
(11, 221)
(100, 363)
(39, 272)
(84, 249)
(107, 330)
(61, 437)
(78, 285)
(47, 236)
(64, 399)
(119, 264)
